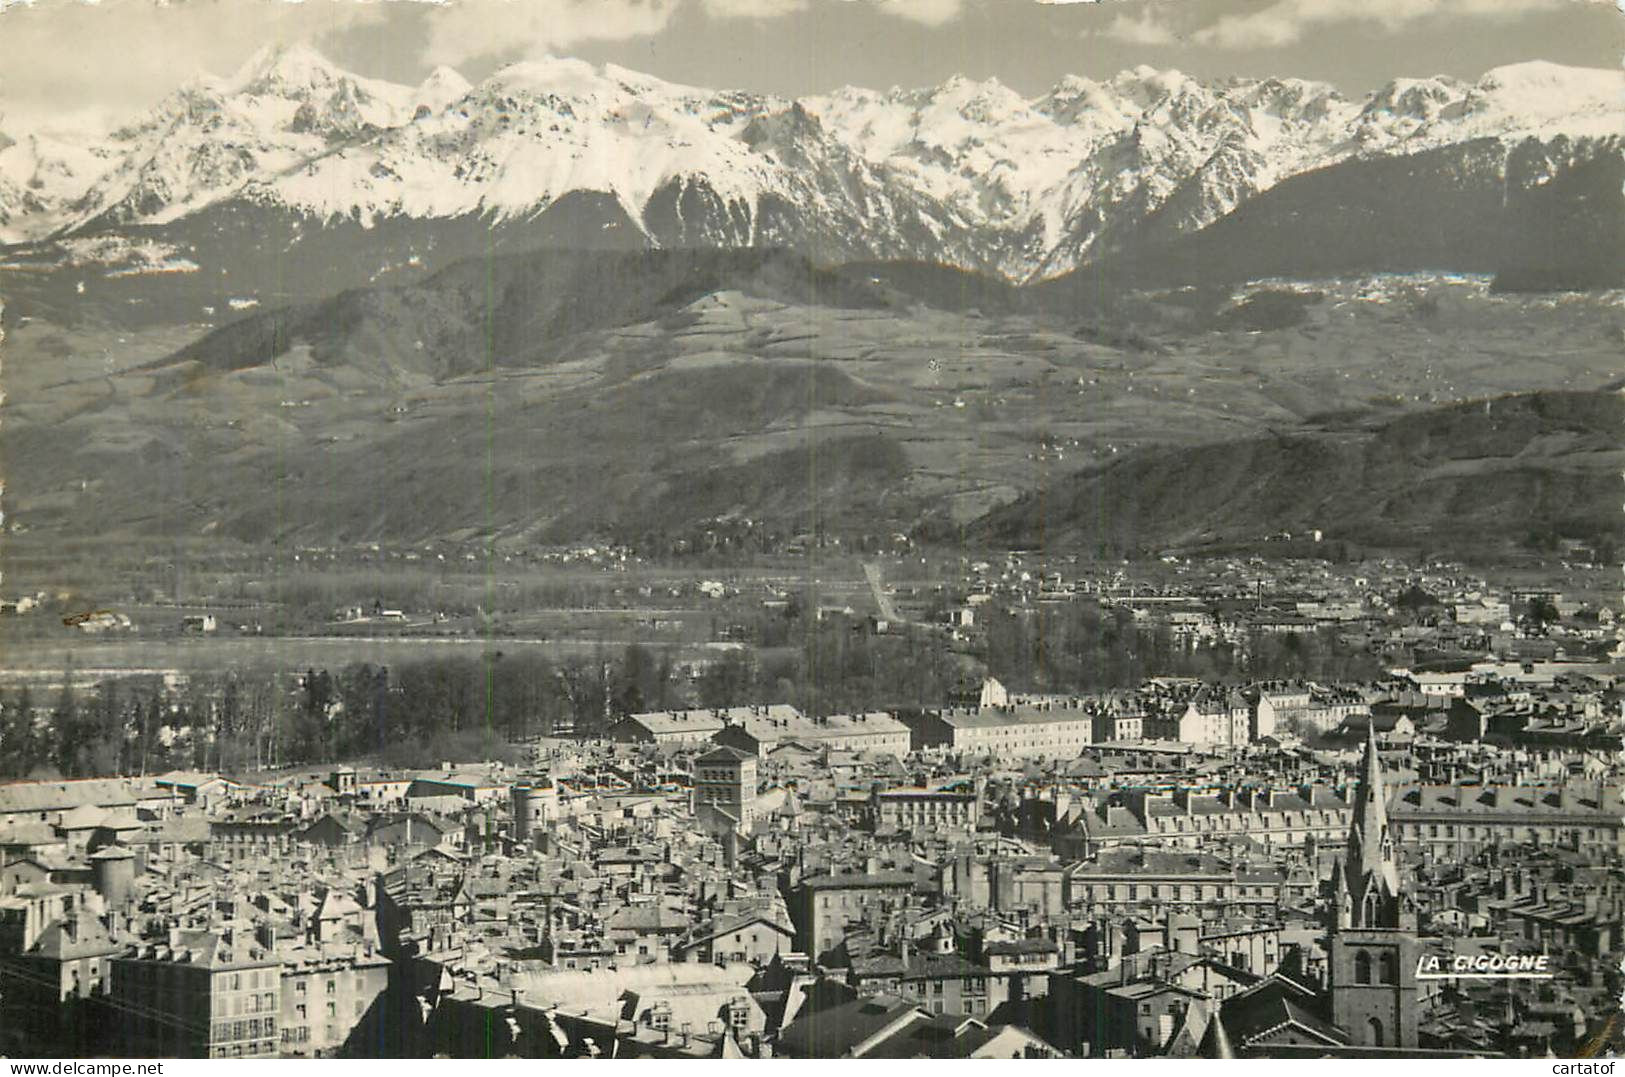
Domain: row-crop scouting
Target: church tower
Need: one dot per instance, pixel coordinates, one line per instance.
(724, 792)
(1372, 940)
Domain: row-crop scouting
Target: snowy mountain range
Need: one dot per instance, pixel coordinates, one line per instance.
(967, 173)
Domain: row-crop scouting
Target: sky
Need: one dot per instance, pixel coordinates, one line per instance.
(69, 62)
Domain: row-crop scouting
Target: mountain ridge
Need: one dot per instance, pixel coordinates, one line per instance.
(970, 173)
(635, 392)
(1475, 474)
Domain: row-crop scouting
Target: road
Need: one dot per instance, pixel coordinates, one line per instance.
(888, 611)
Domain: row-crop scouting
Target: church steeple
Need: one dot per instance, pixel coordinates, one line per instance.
(1369, 889)
(1372, 946)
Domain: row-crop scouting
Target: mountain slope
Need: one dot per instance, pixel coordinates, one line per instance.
(515, 310)
(566, 394)
(1536, 213)
(1472, 476)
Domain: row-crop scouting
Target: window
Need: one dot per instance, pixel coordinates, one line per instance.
(1375, 1028)
(332, 986)
(1362, 967)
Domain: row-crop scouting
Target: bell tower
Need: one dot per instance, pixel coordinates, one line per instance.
(1372, 940)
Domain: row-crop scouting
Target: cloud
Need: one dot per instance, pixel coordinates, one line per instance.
(1142, 29)
(752, 9)
(1286, 21)
(67, 58)
(465, 30)
(475, 29)
(924, 12)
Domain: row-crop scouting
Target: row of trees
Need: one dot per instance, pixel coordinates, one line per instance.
(121, 727)
(415, 714)
(460, 706)
(1080, 647)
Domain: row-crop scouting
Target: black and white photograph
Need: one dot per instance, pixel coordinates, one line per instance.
(811, 529)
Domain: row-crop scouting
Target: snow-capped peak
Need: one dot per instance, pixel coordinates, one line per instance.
(1547, 90)
(443, 86)
(281, 67)
(1419, 99)
(1145, 85)
(968, 170)
(1543, 76)
(558, 75)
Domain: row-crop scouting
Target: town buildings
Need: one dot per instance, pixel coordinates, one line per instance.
(1057, 729)
(1032, 888)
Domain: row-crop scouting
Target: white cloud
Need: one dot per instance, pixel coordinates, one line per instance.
(925, 12)
(472, 29)
(752, 9)
(1142, 29)
(1287, 21)
(66, 57)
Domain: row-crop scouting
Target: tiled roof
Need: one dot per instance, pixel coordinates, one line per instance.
(60, 796)
(702, 723)
(1022, 946)
(1114, 862)
(774, 726)
(87, 939)
(833, 1031)
(999, 717)
(918, 966)
(875, 878)
(1274, 1003)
